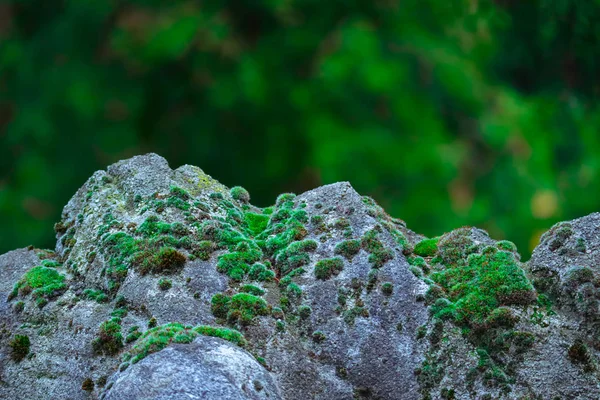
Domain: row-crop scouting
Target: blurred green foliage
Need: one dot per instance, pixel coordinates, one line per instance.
(448, 113)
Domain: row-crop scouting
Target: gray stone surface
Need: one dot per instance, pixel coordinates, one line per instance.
(209, 369)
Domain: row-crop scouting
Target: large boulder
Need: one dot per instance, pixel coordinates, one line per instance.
(166, 284)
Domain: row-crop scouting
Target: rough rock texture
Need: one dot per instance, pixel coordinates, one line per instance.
(165, 284)
(208, 368)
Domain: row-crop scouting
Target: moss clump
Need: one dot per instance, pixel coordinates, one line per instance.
(19, 346)
(319, 336)
(304, 311)
(160, 337)
(237, 263)
(579, 353)
(284, 198)
(167, 260)
(259, 272)
(252, 289)
(219, 305)
(378, 253)
(257, 223)
(483, 284)
(109, 340)
(427, 247)
(577, 276)
(164, 284)
(341, 223)
(96, 295)
(562, 232)
(348, 248)
(387, 288)
(501, 317)
(240, 194)
(43, 283)
(203, 249)
(243, 307)
(295, 255)
(350, 315)
(454, 247)
(327, 267)
(88, 385)
(133, 334)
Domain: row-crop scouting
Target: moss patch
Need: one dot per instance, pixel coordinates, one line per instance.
(486, 282)
(19, 346)
(109, 340)
(348, 248)
(426, 248)
(158, 338)
(44, 283)
(327, 267)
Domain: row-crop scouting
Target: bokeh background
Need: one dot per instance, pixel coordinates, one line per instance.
(448, 113)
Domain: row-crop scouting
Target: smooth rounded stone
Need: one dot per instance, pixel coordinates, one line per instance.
(209, 368)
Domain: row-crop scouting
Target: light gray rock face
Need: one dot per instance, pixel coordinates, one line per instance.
(209, 368)
(165, 284)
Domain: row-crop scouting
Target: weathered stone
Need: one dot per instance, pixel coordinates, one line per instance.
(331, 300)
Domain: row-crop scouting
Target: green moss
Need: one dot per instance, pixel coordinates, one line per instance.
(327, 267)
(96, 295)
(219, 305)
(501, 317)
(252, 289)
(109, 340)
(244, 307)
(152, 322)
(159, 337)
(416, 261)
(427, 247)
(577, 276)
(203, 249)
(319, 336)
(293, 290)
(240, 194)
(167, 260)
(304, 311)
(119, 312)
(259, 272)
(257, 223)
(42, 282)
(295, 255)
(133, 334)
(348, 248)
(454, 247)
(179, 193)
(19, 347)
(387, 288)
(164, 284)
(580, 245)
(284, 198)
(579, 353)
(19, 306)
(152, 226)
(300, 216)
(379, 254)
(350, 315)
(341, 223)
(483, 284)
(230, 335)
(237, 264)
